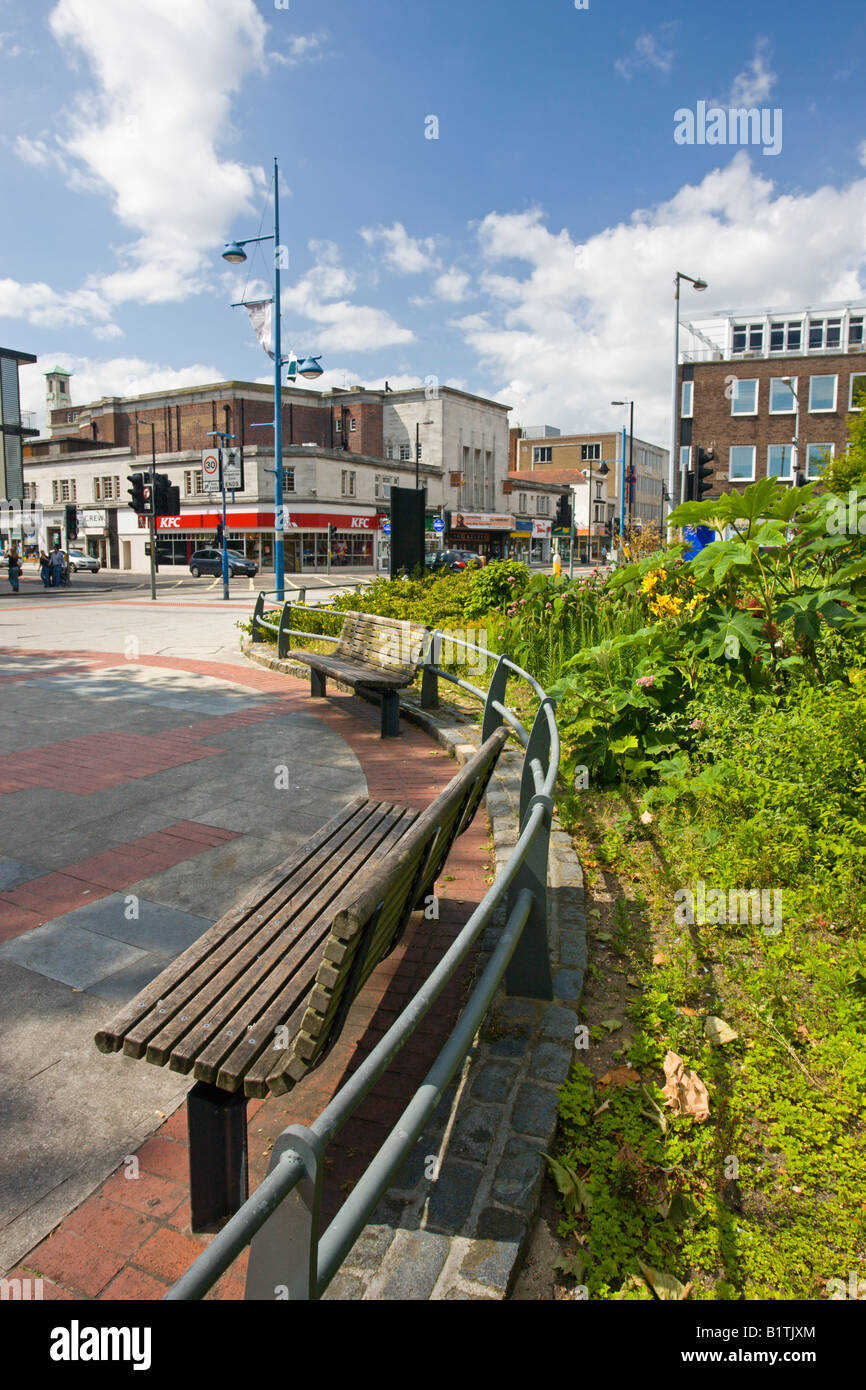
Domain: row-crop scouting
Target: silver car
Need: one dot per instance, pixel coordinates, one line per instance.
(79, 561)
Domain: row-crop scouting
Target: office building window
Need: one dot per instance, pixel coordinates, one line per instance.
(687, 398)
(741, 463)
(825, 333)
(822, 393)
(542, 506)
(817, 458)
(542, 454)
(685, 457)
(63, 490)
(589, 453)
(288, 480)
(855, 331)
(352, 423)
(857, 391)
(405, 453)
(521, 501)
(779, 461)
(193, 484)
(786, 336)
(389, 452)
(744, 396)
(748, 337)
(347, 487)
(783, 399)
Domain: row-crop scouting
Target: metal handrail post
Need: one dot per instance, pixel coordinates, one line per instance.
(429, 678)
(284, 1253)
(495, 697)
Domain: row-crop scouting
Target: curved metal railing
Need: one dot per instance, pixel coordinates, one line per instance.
(290, 1258)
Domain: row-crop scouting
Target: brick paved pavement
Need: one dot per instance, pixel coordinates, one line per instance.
(130, 1239)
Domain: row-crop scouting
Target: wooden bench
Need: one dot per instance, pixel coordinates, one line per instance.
(259, 999)
(377, 654)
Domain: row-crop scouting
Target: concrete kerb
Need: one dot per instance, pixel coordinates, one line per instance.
(457, 1222)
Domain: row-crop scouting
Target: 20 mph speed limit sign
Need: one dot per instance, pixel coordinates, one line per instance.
(210, 470)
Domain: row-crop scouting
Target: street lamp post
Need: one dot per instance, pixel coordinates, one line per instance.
(795, 442)
(418, 424)
(674, 462)
(631, 478)
(602, 473)
(150, 520)
(222, 437)
(310, 368)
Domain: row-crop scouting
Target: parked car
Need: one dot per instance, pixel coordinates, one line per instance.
(452, 559)
(79, 561)
(211, 562)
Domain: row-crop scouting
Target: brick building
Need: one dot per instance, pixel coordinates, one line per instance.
(770, 391)
(343, 451)
(567, 459)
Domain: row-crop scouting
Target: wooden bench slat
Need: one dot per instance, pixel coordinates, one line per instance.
(280, 989)
(111, 1037)
(264, 943)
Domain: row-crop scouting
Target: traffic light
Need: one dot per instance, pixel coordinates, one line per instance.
(332, 534)
(71, 521)
(166, 497)
(446, 517)
(136, 492)
(704, 474)
(563, 512)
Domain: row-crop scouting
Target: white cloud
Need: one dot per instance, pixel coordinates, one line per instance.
(588, 323)
(145, 131)
(648, 52)
(451, 285)
(302, 48)
(404, 253)
(341, 326)
(753, 85)
(38, 304)
(117, 376)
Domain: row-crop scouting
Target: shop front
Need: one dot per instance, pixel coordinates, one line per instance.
(485, 533)
(309, 546)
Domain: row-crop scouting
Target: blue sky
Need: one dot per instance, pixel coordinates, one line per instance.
(526, 253)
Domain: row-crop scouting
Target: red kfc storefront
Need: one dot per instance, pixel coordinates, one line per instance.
(306, 537)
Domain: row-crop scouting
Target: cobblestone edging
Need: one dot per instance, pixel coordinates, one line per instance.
(457, 1221)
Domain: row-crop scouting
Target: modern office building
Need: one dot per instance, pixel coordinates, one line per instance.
(770, 391)
(569, 458)
(15, 427)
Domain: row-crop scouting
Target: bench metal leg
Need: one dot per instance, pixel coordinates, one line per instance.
(390, 714)
(217, 1122)
(317, 685)
(284, 1253)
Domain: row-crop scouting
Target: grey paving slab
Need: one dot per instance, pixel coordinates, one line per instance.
(156, 928)
(14, 871)
(212, 882)
(119, 988)
(69, 954)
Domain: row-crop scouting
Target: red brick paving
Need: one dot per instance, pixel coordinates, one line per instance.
(95, 1252)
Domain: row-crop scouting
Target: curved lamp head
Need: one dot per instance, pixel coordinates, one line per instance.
(309, 369)
(699, 284)
(234, 253)
(602, 469)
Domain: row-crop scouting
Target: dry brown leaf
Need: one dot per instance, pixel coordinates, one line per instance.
(660, 958)
(620, 1076)
(692, 1013)
(684, 1091)
(601, 1109)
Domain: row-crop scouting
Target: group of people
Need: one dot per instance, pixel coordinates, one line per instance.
(53, 568)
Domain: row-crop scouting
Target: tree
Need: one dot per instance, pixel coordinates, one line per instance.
(849, 469)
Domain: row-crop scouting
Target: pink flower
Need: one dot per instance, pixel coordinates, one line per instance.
(697, 724)
(523, 600)
(645, 681)
(549, 607)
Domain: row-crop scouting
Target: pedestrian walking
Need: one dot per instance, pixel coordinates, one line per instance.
(56, 561)
(14, 568)
(45, 569)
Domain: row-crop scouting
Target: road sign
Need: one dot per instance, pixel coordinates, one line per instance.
(438, 524)
(210, 470)
(232, 468)
(386, 528)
